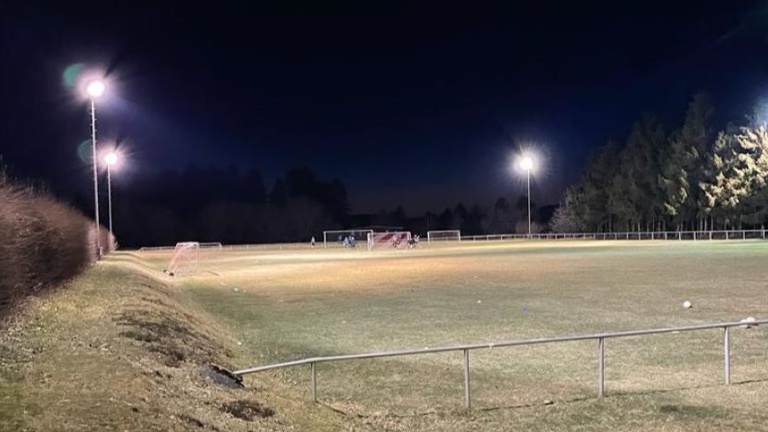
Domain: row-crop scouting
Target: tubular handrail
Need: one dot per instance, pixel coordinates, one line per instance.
(508, 343)
(600, 337)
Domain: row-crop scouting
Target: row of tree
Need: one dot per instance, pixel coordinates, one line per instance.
(226, 206)
(689, 179)
(211, 204)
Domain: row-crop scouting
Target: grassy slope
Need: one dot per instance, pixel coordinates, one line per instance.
(287, 306)
(116, 350)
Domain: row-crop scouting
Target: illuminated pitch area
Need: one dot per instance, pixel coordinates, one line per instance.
(288, 305)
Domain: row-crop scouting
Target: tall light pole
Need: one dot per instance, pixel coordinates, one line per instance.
(110, 159)
(526, 163)
(95, 89)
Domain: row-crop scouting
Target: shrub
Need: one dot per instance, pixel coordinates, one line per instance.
(42, 242)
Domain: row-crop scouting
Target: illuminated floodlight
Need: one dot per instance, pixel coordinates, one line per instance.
(526, 163)
(95, 88)
(110, 159)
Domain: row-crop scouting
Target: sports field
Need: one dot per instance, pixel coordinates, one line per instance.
(287, 305)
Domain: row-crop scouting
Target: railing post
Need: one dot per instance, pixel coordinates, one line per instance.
(314, 381)
(727, 355)
(467, 400)
(600, 367)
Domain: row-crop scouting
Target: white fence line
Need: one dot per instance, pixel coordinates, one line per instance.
(600, 337)
(634, 235)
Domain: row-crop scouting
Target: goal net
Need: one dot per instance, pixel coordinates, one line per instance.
(443, 236)
(344, 238)
(185, 259)
(394, 239)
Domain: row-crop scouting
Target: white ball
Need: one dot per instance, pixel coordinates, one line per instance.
(747, 320)
(687, 304)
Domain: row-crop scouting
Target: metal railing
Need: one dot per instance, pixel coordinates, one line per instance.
(600, 337)
(630, 235)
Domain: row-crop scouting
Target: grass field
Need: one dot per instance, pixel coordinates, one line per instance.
(286, 305)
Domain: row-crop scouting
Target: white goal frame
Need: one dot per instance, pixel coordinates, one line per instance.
(187, 254)
(211, 245)
(443, 236)
(360, 235)
(385, 239)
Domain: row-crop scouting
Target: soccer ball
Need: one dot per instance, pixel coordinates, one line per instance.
(687, 304)
(747, 320)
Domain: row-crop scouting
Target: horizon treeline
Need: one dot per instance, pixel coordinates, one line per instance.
(231, 207)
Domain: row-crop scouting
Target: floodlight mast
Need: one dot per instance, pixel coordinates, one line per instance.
(95, 89)
(526, 163)
(110, 159)
(95, 177)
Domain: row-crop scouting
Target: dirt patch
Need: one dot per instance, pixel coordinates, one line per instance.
(223, 377)
(247, 410)
(174, 337)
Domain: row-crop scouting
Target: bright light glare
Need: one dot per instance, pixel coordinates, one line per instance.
(526, 163)
(95, 88)
(111, 158)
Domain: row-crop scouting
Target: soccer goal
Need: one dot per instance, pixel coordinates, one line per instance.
(341, 238)
(211, 245)
(443, 236)
(185, 259)
(394, 239)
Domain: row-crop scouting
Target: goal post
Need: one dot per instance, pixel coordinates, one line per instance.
(336, 237)
(443, 236)
(185, 259)
(392, 239)
(211, 245)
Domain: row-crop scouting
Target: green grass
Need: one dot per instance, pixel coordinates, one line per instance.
(290, 305)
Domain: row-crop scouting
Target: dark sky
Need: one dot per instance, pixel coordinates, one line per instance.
(414, 105)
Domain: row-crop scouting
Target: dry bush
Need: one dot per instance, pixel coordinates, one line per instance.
(42, 242)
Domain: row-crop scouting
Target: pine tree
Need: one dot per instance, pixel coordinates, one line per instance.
(735, 188)
(571, 216)
(683, 161)
(755, 141)
(596, 183)
(637, 198)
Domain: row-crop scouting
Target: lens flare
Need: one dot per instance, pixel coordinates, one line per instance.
(71, 74)
(84, 151)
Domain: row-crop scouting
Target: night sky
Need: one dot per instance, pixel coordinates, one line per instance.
(414, 105)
